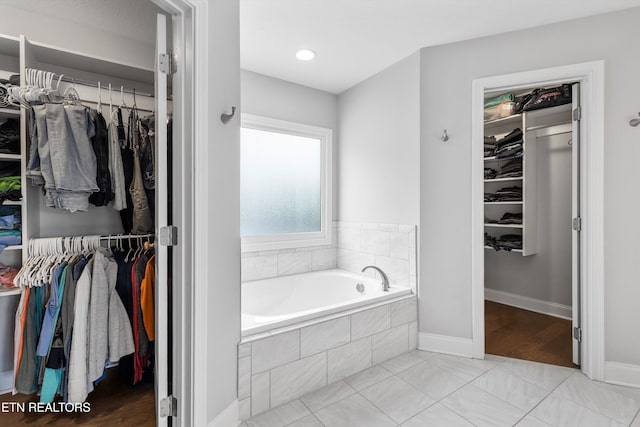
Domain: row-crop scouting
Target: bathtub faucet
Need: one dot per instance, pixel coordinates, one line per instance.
(385, 279)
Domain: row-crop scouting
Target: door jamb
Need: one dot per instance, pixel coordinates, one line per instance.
(190, 112)
(591, 77)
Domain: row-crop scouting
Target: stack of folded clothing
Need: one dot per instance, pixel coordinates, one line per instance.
(506, 194)
(489, 146)
(511, 218)
(510, 146)
(506, 242)
(511, 169)
(9, 238)
(507, 218)
(10, 188)
(509, 194)
(10, 137)
(7, 274)
(490, 173)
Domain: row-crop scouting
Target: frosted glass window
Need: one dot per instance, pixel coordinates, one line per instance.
(280, 183)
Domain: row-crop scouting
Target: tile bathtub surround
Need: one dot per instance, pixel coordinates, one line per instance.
(439, 390)
(258, 265)
(268, 264)
(392, 247)
(281, 367)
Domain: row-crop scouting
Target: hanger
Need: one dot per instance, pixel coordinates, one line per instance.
(122, 103)
(126, 258)
(99, 97)
(70, 95)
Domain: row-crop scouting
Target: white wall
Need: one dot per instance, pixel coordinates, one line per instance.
(223, 206)
(446, 76)
(380, 147)
(278, 99)
(547, 274)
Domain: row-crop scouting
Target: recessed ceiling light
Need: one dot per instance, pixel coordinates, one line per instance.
(305, 55)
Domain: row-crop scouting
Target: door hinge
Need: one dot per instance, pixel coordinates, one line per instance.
(168, 235)
(165, 63)
(577, 114)
(577, 224)
(169, 407)
(577, 334)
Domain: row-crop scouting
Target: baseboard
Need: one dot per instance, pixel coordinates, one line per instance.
(622, 374)
(532, 304)
(6, 382)
(445, 344)
(230, 417)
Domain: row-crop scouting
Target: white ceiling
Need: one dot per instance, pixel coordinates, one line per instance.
(355, 39)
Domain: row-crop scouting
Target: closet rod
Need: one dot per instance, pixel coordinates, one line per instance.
(548, 126)
(126, 236)
(83, 82)
(106, 104)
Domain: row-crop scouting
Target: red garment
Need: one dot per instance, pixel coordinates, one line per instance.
(7, 275)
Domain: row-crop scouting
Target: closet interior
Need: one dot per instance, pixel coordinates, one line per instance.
(78, 163)
(528, 202)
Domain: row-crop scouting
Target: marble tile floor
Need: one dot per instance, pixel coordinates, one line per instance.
(420, 388)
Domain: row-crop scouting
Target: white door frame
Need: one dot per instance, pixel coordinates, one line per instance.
(591, 77)
(190, 113)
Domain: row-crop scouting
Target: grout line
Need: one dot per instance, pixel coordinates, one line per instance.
(317, 419)
(545, 398)
(379, 409)
(637, 417)
(581, 404)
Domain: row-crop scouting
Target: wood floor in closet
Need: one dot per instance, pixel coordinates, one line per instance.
(112, 404)
(523, 334)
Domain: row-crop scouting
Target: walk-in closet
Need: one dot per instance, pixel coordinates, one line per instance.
(529, 206)
(83, 281)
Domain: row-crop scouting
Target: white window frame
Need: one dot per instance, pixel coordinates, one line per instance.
(297, 240)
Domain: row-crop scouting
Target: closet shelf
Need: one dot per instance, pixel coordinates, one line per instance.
(512, 250)
(9, 112)
(495, 159)
(515, 178)
(9, 292)
(503, 119)
(503, 225)
(12, 203)
(564, 122)
(503, 203)
(10, 156)
(13, 248)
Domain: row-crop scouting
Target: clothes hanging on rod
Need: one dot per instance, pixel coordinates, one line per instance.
(88, 168)
(76, 314)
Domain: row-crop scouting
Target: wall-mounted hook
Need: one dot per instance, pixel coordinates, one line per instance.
(444, 136)
(226, 117)
(635, 122)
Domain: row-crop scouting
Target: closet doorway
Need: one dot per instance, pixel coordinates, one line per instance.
(534, 232)
(104, 85)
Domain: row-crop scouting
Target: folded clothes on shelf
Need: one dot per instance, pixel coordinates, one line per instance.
(510, 146)
(511, 169)
(9, 238)
(506, 242)
(511, 218)
(6, 276)
(10, 137)
(505, 194)
(489, 146)
(490, 173)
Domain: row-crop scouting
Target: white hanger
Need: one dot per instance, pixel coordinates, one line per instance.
(122, 103)
(99, 97)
